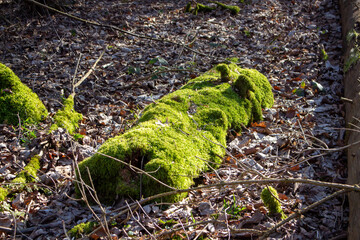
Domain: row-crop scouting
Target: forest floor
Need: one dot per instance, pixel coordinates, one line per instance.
(295, 44)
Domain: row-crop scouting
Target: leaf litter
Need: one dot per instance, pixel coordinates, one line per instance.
(284, 40)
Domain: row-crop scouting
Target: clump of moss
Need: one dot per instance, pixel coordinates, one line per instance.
(29, 174)
(201, 8)
(67, 117)
(17, 100)
(204, 8)
(172, 135)
(272, 203)
(233, 9)
(188, 7)
(81, 229)
(3, 193)
(224, 71)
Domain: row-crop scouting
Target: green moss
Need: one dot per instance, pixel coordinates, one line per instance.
(3, 193)
(204, 8)
(169, 137)
(271, 202)
(67, 117)
(29, 173)
(188, 7)
(224, 71)
(323, 55)
(83, 228)
(233, 9)
(16, 99)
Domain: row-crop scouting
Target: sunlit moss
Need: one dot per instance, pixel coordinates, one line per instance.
(3, 193)
(270, 197)
(174, 134)
(233, 9)
(17, 101)
(204, 8)
(67, 117)
(29, 174)
(83, 228)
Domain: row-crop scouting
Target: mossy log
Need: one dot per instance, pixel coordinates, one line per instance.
(17, 100)
(174, 138)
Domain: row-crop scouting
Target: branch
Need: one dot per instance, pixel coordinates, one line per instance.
(87, 74)
(121, 30)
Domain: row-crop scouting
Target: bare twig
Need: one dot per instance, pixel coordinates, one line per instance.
(120, 30)
(87, 74)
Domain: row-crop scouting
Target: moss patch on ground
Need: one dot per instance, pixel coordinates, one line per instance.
(173, 140)
(67, 117)
(3, 194)
(204, 8)
(81, 229)
(16, 99)
(270, 197)
(27, 175)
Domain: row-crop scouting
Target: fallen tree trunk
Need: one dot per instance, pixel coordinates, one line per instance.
(350, 15)
(178, 137)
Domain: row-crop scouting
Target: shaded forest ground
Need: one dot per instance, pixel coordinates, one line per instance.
(281, 39)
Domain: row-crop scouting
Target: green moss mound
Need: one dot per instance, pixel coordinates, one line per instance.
(67, 117)
(17, 99)
(83, 228)
(232, 9)
(172, 135)
(29, 174)
(3, 193)
(271, 202)
(204, 8)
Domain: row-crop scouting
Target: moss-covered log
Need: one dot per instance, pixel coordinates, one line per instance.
(17, 100)
(172, 135)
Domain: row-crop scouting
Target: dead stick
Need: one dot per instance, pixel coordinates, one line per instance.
(119, 29)
(87, 74)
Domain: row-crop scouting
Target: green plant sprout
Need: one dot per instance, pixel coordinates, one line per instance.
(232, 208)
(247, 33)
(270, 197)
(323, 54)
(168, 223)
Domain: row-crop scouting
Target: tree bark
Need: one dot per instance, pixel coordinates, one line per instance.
(350, 18)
